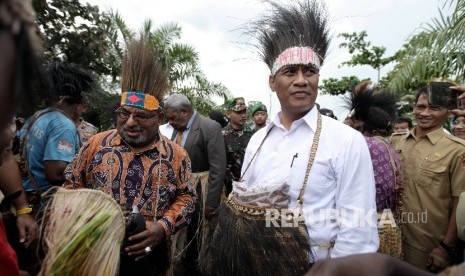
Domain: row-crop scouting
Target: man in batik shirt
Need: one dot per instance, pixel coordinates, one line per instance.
(152, 175)
(139, 167)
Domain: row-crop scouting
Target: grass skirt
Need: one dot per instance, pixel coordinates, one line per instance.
(241, 244)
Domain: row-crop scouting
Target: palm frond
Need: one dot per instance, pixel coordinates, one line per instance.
(123, 28)
(437, 51)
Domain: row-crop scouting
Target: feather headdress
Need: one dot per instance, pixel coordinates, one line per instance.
(302, 24)
(376, 109)
(70, 82)
(142, 70)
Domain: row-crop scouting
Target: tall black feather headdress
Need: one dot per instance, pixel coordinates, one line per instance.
(301, 24)
(70, 82)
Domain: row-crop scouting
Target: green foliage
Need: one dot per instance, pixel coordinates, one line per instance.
(80, 34)
(181, 60)
(363, 53)
(200, 96)
(335, 86)
(101, 110)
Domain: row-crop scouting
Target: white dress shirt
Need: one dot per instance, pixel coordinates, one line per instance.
(341, 180)
(166, 130)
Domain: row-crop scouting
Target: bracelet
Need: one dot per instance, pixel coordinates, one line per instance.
(23, 211)
(449, 249)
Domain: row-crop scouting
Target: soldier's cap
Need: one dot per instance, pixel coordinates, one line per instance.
(236, 104)
(258, 107)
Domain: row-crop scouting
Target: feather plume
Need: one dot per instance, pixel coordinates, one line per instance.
(377, 109)
(296, 24)
(70, 81)
(142, 70)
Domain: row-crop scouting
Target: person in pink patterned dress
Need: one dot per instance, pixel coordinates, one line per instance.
(373, 114)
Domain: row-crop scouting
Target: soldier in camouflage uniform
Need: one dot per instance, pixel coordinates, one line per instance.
(236, 137)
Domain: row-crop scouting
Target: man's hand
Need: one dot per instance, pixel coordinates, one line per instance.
(151, 237)
(438, 259)
(459, 112)
(27, 228)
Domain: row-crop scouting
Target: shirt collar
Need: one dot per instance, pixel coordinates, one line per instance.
(309, 119)
(191, 120)
(160, 146)
(432, 136)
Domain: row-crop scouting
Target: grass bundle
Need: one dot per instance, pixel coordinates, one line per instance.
(83, 233)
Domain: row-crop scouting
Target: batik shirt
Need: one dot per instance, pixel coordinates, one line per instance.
(236, 142)
(156, 180)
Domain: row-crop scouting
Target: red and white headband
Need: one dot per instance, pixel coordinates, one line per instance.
(294, 56)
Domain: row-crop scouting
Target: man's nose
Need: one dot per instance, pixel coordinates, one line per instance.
(131, 121)
(300, 77)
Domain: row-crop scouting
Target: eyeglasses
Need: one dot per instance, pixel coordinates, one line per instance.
(140, 117)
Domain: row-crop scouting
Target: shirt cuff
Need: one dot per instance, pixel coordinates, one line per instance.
(167, 226)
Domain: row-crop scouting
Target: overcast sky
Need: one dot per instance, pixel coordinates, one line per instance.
(210, 26)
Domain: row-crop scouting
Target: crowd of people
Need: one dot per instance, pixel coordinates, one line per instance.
(300, 193)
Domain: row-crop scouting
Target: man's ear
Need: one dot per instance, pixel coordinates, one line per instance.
(228, 114)
(271, 83)
(161, 117)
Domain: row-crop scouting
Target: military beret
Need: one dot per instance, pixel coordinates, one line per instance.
(258, 107)
(236, 104)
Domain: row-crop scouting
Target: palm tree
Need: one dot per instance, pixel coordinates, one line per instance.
(181, 60)
(436, 52)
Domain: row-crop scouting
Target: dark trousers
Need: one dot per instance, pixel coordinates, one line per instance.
(155, 263)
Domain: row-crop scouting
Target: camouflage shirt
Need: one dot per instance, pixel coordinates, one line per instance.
(236, 142)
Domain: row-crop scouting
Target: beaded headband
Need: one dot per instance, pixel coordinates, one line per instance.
(140, 100)
(294, 56)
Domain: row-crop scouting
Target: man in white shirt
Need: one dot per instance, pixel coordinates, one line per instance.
(335, 190)
(341, 177)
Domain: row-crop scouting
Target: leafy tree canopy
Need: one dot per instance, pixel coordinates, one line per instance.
(436, 52)
(78, 33)
(335, 86)
(363, 53)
